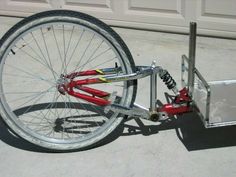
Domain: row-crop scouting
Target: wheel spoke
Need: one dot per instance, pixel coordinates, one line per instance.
(75, 48)
(31, 73)
(50, 63)
(90, 58)
(43, 56)
(28, 73)
(97, 56)
(85, 51)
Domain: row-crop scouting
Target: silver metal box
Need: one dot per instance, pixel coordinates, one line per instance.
(216, 102)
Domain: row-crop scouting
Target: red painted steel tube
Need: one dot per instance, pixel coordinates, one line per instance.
(85, 73)
(172, 109)
(85, 82)
(79, 84)
(180, 104)
(91, 99)
(94, 92)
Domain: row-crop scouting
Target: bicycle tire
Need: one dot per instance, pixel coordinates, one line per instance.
(9, 48)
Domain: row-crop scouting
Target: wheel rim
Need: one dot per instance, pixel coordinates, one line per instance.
(48, 124)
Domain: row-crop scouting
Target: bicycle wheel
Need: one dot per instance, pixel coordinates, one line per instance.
(34, 53)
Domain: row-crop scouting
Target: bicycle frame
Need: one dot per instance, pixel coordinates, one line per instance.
(181, 104)
(63, 42)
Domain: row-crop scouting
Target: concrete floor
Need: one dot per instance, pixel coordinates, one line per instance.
(180, 148)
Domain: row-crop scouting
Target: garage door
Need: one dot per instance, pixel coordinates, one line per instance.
(214, 17)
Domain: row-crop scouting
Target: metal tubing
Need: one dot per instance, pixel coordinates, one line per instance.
(146, 71)
(184, 68)
(153, 90)
(208, 89)
(192, 51)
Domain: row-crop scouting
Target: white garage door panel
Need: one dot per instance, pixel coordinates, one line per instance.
(217, 15)
(97, 8)
(155, 5)
(23, 7)
(219, 8)
(163, 12)
(214, 17)
(93, 3)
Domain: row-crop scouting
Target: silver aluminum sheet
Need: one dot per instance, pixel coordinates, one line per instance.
(222, 100)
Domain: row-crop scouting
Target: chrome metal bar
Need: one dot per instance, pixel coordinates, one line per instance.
(184, 57)
(147, 71)
(140, 106)
(192, 51)
(184, 69)
(133, 112)
(208, 89)
(153, 92)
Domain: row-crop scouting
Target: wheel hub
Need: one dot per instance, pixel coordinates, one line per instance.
(58, 125)
(62, 83)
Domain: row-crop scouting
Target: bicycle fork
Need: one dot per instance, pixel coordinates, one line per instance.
(181, 104)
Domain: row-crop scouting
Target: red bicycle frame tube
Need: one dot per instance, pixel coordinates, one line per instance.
(91, 99)
(180, 104)
(99, 97)
(95, 96)
(85, 73)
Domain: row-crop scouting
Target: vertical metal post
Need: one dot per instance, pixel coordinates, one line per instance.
(192, 51)
(153, 89)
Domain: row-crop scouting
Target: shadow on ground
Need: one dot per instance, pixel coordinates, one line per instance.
(190, 132)
(188, 127)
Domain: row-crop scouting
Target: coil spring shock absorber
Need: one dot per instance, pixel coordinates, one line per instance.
(168, 80)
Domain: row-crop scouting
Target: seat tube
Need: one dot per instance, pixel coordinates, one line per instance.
(153, 90)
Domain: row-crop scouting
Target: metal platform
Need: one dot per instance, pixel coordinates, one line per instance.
(218, 107)
(214, 101)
